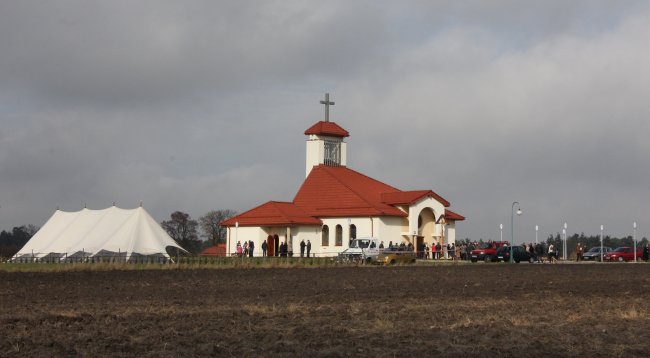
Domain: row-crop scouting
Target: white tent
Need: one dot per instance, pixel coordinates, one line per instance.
(107, 232)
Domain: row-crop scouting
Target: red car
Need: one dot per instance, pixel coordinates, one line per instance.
(624, 253)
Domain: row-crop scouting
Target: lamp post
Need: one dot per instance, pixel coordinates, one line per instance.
(564, 244)
(601, 242)
(536, 230)
(501, 228)
(512, 225)
(236, 236)
(634, 238)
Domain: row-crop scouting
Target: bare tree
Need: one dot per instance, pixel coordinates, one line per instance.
(183, 230)
(210, 225)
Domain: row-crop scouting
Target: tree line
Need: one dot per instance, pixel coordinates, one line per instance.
(185, 230)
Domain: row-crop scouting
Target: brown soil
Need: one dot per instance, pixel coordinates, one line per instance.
(478, 310)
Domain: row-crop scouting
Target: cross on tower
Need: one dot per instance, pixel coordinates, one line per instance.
(327, 104)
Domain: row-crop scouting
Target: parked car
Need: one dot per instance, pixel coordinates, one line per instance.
(396, 255)
(593, 254)
(518, 253)
(487, 251)
(364, 249)
(623, 253)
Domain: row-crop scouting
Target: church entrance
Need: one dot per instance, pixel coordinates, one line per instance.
(270, 246)
(276, 241)
(421, 248)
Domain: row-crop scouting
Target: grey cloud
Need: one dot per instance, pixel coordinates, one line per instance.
(202, 105)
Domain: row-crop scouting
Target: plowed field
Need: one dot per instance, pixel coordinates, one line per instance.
(449, 310)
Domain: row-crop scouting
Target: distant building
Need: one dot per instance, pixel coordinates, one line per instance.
(336, 204)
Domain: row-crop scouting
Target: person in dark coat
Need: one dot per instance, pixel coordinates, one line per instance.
(251, 247)
(646, 252)
(308, 247)
(302, 248)
(264, 247)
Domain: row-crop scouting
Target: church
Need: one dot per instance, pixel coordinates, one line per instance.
(336, 204)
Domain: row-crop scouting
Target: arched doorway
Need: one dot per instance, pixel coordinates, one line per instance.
(276, 242)
(426, 228)
(270, 246)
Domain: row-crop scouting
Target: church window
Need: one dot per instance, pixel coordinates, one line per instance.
(339, 235)
(326, 236)
(332, 153)
(353, 232)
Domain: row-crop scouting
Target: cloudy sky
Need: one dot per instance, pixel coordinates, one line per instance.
(202, 105)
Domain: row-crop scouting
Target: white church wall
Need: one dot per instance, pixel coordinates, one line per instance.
(245, 233)
(389, 228)
(315, 153)
(306, 233)
(451, 232)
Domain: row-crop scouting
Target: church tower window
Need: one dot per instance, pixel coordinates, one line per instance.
(332, 153)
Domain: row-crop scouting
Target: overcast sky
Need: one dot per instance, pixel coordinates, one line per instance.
(202, 105)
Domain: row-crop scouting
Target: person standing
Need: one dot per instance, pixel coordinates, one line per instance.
(646, 252)
(302, 248)
(308, 248)
(251, 247)
(239, 249)
(578, 252)
(264, 247)
(551, 254)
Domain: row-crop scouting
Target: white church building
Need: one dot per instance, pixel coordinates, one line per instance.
(336, 204)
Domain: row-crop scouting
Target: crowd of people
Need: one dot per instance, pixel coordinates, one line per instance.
(435, 251)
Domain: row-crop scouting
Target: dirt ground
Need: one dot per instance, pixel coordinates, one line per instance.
(449, 310)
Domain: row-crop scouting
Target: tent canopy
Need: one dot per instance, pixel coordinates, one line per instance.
(91, 232)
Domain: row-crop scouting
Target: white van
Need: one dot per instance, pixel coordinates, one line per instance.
(365, 249)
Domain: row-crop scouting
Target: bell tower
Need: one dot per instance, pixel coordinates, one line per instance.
(326, 144)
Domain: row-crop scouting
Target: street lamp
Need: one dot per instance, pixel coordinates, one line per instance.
(236, 233)
(536, 230)
(501, 228)
(634, 238)
(512, 225)
(601, 242)
(564, 244)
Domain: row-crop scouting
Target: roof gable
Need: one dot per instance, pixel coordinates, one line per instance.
(411, 197)
(327, 129)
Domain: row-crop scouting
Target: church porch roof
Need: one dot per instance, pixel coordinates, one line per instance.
(450, 215)
(410, 197)
(273, 213)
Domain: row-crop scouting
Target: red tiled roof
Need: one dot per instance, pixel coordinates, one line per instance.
(450, 215)
(410, 197)
(328, 129)
(273, 213)
(339, 191)
(219, 250)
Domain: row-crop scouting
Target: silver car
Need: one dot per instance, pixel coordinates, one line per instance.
(593, 254)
